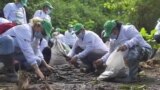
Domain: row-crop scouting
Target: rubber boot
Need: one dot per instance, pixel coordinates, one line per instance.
(9, 68)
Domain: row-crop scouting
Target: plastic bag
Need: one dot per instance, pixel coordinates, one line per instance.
(57, 53)
(115, 66)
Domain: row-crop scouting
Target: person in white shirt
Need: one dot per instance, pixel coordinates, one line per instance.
(88, 47)
(157, 34)
(44, 13)
(22, 43)
(43, 44)
(127, 39)
(15, 12)
(70, 36)
(57, 35)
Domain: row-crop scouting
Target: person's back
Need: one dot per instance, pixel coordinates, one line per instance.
(92, 39)
(130, 36)
(70, 38)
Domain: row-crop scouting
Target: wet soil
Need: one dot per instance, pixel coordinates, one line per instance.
(66, 77)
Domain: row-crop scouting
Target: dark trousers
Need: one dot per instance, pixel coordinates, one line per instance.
(157, 38)
(134, 56)
(91, 57)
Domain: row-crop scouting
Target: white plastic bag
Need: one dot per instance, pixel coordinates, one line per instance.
(115, 65)
(57, 53)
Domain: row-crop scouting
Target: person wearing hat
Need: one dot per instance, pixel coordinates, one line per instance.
(87, 48)
(127, 39)
(44, 13)
(15, 12)
(22, 43)
(57, 34)
(70, 36)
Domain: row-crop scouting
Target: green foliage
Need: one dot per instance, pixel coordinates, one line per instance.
(121, 10)
(147, 13)
(149, 37)
(93, 13)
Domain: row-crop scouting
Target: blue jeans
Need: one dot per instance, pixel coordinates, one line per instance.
(134, 56)
(6, 45)
(7, 48)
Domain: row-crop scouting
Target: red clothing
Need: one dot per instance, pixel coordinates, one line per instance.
(5, 26)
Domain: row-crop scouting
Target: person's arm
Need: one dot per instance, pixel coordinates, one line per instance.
(30, 56)
(89, 47)
(39, 54)
(111, 49)
(72, 52)
(38, 71)
(36, 47)
(133, 36)
(26, 48)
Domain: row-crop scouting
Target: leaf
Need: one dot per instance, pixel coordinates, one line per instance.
(143, 32)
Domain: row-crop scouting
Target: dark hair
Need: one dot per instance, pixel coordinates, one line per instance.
(118, 24)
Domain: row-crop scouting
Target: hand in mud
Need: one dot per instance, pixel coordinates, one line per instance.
(68, 58)
(50, 68)
(122, 48)
(74, 60)
(97, 63)
(38, 71)
(40, 74)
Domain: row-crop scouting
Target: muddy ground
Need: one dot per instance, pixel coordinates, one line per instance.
(66, 77)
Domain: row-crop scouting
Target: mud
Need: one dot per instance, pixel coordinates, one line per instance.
(66, 77)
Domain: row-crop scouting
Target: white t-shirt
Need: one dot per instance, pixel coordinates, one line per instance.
(43, 44)
(15, 12)
(158, 27)
(42, 15)
(70, 38)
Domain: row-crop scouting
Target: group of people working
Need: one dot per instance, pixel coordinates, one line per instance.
(22, 42)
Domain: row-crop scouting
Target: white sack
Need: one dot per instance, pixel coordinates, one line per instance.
(57, 52)
(115, 65)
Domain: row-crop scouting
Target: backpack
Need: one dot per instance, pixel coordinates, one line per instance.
(6, 26)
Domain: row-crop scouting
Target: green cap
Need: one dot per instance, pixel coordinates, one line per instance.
(47, 4)
(78, 27)
(24, 2)
(47, 26)
(108, 27)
